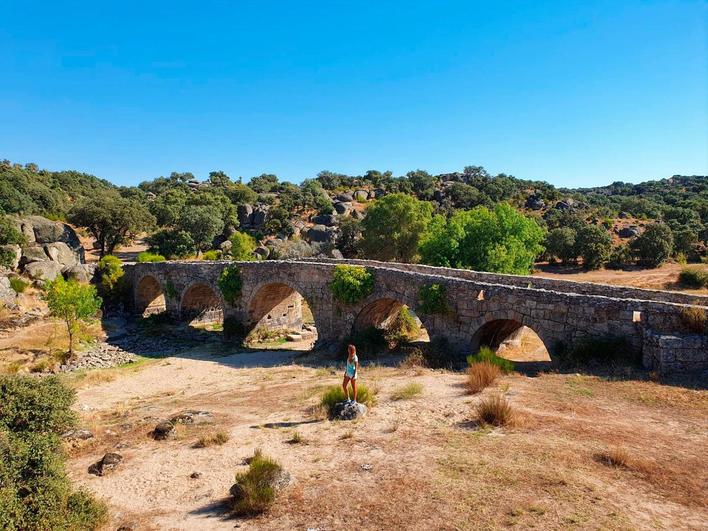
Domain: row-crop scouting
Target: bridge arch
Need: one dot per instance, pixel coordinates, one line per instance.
(201, 304)
(512, 339)
(278, 307)
(380, 314)
(149, 296)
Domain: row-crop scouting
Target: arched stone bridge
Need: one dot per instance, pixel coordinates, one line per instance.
(482, 306)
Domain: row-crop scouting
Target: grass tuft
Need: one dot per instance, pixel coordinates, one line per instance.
(335, 394)
(481, 375)
(407, 392)
(495, 410)
(488, 355)
(210, 439)
(257, 487)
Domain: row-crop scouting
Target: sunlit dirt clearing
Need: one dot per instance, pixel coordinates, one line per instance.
(431, 467)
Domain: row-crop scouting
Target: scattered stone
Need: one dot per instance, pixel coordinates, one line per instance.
(629, 232)
(320, 233)
(164, 430)
(328, 220)
(80, 272)
(280, 480)
(108, 463)
(192, 417)
(342, 207)
(77, 435)
(262, 251)
(7, 294)
(293, 336)
(348, 411)
(16, 252)
(345, 197)
(361, 195)
(534, 202)
(367, 466)
(61, 253)
(33, 253)
(195, 475)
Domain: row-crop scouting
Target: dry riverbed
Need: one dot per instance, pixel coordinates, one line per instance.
(421, 463)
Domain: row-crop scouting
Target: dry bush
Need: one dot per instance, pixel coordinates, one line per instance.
(694, 319)
(620, 458)
(407, 392)
(217, 438)
(495, 410)
(481, 375)
(414, 359)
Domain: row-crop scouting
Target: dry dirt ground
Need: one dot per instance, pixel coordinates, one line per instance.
(422, 463)
(664, 277)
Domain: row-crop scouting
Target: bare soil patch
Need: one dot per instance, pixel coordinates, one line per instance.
(421, 463)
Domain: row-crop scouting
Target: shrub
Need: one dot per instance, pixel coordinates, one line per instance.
(431, 299)
(693, 277)
(18, 285)
(9, 233)
(403, 328)
(172, 243)
(495, 410)
(350, 284)
(257, 486)
(615, 457)
(147, 256)
(620, 256)
(230, 284)
(35, 492)
(481, 375)
(212, 255)
(217, 438)
(407, 392)
(7, 258)
(111, 285)
(488, 355)
(694, 319)
(335, 394)
(242, 246)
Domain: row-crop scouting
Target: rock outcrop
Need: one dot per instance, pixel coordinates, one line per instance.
(50, 248)
(107, 463)
(348, 411)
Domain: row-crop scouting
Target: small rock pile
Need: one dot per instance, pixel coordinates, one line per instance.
(100, 356)
(348, 411)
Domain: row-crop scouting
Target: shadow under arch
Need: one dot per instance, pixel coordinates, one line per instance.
(201, 305)
(512, 340)
(149, 297)
(277, 312)
(380, 316)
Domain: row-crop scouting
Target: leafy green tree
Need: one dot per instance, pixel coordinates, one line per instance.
(466, 197)
(240, 194)
(172, 243)
(202, 223)
(393, 226)
(351, 283)
(685, 241)
(654, 245)
(500, 240)
(423, 184)
(242, 246)
(264, 183)
(9, 232)
(594, 245)
(73, 303)
(111, 220)
(110, 278)
(167, 207)
(560, 243)
(349, 236)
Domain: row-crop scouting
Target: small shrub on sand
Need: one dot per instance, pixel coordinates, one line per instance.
(257, 487)
(407, 392)
(615, 457)
(488, 355)
(18, 285)
(694, 319)
(297, 438)
(210, 439)
(694, 277)
(147, 257)
(335, 394)
(495, 410)
(481, 375)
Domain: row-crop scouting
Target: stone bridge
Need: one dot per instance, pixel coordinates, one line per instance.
(483, 308)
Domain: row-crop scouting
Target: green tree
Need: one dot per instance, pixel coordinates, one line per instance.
(242, 246)
(423, 184)
(594, 245)
(73, 303)
(264, 183)
(349, 236)
(560, 243)
(111, 219)
(173, 244)
(202, 223)
(654, 245)
(393, 227)
(500, 240)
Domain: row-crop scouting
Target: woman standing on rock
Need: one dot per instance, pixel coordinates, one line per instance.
(350, 372)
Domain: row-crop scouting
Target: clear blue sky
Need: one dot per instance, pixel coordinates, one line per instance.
(575, 93)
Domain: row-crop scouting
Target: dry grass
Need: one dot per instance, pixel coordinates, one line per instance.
(407, 392)
(694, 319)
(495, 410)
(212, 439)
(481, 375)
